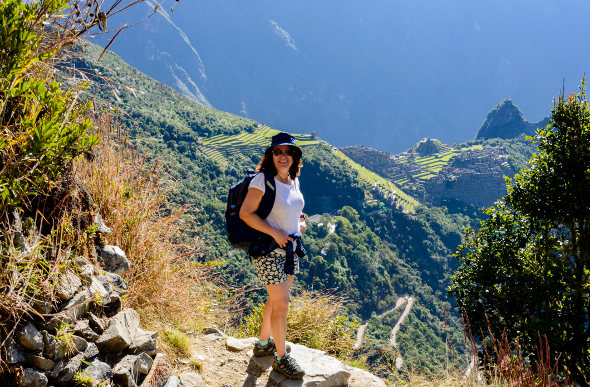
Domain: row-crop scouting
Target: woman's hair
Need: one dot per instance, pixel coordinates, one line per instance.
(267, 164)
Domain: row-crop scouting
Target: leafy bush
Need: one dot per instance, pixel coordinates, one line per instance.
(43, 127)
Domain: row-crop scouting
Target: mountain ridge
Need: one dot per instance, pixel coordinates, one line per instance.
(374, 65)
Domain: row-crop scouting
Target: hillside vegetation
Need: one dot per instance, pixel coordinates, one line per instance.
(366, 263)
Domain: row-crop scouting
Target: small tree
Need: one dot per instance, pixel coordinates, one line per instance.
(527, 269)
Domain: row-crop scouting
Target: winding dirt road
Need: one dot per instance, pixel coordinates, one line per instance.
(409, 301)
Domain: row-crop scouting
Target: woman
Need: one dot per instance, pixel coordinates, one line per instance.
(277, 269)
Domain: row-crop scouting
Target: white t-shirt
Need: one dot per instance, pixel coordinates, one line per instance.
(288, 204)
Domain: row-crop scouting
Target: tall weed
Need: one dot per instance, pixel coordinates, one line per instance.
(165, 284)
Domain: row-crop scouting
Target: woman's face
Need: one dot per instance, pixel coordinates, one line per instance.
(282, 161)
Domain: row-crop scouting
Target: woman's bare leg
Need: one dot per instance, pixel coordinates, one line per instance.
(274, 316)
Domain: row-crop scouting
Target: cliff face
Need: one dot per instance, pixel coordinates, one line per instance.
(506, 121)
(475, 177)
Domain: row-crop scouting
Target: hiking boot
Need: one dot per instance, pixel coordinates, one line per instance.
(288, 367)
(265, 350)
(268, 349)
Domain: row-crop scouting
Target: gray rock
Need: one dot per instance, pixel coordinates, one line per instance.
(59, 366)
(117, 282)
(96, 323)
(59, 319)
(91, 351)
(71, 311)
(43, 307)
(126, 371)
(320, 369)
(113, 259)
(30, 377)
(79, 343)
(39, 362)
(120, 333)
(89, 335)
(99, 372)
(191, 379)
(159, 375)
(362, 378)
(114, 305)
(144, 341)
(173, 381)
(80, 326)
(67, 374)
(98, 291)
(67, 286)
(13, 352)
(100, 226)
(145, 363)
(103, 279)
(85, 269)
(237, 345)
(30, 338)
(79, 304)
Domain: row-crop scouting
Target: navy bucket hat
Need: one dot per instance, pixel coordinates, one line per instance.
(284, 138)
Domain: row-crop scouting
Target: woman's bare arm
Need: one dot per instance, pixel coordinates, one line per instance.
(248, 215)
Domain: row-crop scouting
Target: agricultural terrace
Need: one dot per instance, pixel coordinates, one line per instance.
(222, 147)
(428, 166)
(369, 178)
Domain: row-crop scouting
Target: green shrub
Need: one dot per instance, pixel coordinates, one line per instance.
(178, 341)
(43, 127)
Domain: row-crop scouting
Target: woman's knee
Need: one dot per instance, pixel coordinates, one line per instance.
(280, 305)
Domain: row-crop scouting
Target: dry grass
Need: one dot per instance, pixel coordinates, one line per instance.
(314, 320)
(165, 285)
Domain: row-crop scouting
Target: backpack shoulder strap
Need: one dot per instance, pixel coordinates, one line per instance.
(268, 199)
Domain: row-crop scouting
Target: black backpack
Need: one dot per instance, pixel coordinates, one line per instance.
(241, 235)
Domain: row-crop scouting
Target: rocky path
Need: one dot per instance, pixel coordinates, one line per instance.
(227, 361)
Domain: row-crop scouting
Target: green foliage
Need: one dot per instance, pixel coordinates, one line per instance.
(64, 339)
(43, 127)
(527, 269)
(81, 378)
(178, 341)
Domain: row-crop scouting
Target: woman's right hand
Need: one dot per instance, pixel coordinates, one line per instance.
(281, 238)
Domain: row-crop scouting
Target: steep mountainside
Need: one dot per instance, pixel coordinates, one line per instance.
(372, 250)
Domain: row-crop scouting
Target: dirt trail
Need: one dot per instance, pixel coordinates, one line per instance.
(400, 321)
(361, 331)
(399, 361)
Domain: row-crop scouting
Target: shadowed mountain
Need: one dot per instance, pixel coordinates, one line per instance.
(506, 121)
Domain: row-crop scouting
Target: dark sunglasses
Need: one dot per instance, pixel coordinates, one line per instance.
(286, 152)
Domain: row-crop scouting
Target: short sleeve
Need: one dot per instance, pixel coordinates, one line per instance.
(258, 182)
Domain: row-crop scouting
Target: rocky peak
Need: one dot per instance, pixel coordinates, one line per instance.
(507, 121)
(427, 146)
